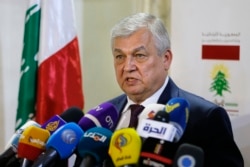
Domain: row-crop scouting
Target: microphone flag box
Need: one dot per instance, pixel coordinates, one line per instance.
(160, 130)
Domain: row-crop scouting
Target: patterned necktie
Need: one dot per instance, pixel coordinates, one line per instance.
(136, 109)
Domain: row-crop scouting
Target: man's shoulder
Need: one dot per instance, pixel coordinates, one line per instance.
(118, 99)
(197, 100)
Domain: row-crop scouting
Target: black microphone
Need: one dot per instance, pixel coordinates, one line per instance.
(189, 155)
(168, 124)
(163, 133)
(158, 148)
(157, 152)
(14, 161)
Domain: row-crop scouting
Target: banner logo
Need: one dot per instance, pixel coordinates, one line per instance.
(220, 87)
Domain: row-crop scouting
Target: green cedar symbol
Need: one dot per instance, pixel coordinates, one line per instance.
(219, 84)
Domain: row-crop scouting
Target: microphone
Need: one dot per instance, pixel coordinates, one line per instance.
(93, 146)
(32, 144)
(8, 157)
(189, 155)
(178, 109)
(160, 150)
(15, 138)
(157, 149)
(125, 147)
(11, 148)
(14, 162)
(158, 128)
(72, 114)
(61, 145)
(150, 110)
(157, 152)
(104, 115)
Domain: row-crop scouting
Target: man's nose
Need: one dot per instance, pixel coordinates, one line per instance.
(129, 64)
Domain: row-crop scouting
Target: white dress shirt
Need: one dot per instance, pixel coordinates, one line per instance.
(125, 117)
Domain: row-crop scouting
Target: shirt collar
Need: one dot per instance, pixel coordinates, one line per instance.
(152, 99)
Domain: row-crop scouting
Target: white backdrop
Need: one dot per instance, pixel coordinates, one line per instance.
(195, 23)
(11, 37)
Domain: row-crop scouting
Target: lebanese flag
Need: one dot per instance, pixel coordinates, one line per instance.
(59, 69)
(26, 107)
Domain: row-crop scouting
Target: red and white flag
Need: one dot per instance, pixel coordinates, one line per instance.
(59, 69)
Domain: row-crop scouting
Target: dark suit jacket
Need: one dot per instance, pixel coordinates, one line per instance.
(208, 127)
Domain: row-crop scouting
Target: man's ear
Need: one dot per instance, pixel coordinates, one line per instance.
(167, 59)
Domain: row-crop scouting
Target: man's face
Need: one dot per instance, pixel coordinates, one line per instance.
(140, 71)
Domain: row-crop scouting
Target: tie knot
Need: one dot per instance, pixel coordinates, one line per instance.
(136, 109)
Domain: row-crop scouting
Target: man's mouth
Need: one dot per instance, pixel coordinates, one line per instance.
(130, 79)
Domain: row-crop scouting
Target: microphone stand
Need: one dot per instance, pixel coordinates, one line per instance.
(88, 161)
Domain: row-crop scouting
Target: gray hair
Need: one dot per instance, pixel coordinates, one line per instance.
(131, 24)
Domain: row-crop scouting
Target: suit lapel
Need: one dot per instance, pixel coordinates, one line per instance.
(119, 102)
(170, 91)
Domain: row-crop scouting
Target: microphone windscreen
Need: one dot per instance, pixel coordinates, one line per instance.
(150, 110)
(125, 147)
(104, 115)
(189, 155)
(95, 142)
(13, 142)
(157, 152)
(72, 114)
(32, 142)
(178, 109)
(65, 139)
(161, 116)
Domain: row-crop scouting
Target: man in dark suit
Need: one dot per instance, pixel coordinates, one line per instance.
(142, 57)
